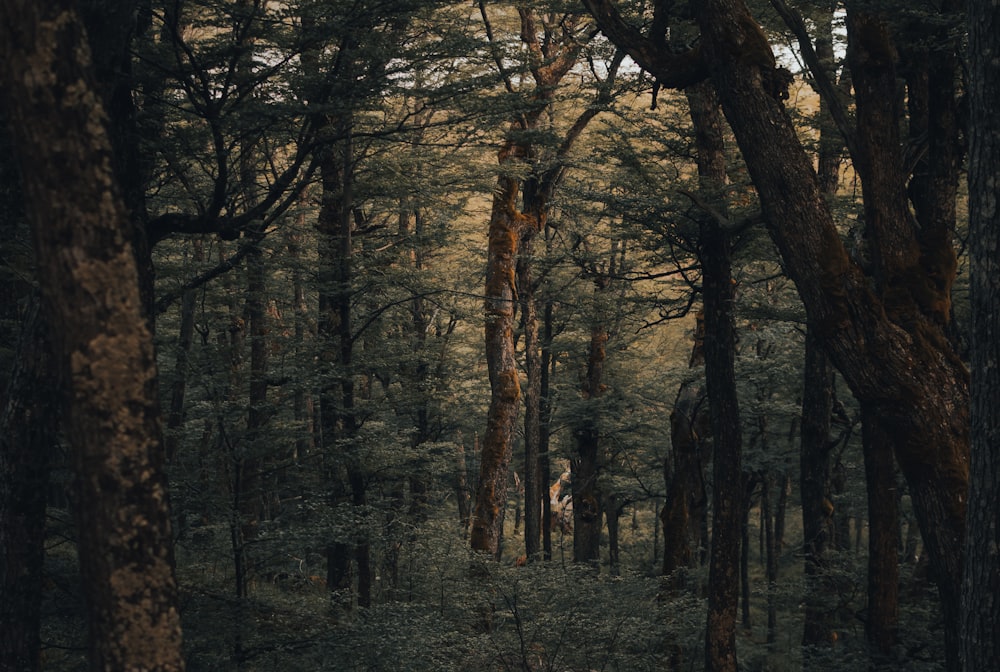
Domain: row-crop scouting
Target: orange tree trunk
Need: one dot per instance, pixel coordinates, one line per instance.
(505, 389)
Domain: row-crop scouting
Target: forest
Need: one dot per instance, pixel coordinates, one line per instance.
(392, 335)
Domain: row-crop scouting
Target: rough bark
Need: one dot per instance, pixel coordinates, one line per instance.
(505, 389)
(714, 253)
(980, 629)
(720, 380)
(89, 279)
(508, 225)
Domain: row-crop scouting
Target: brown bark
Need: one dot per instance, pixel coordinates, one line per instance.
(980, 645)
(505, 389)
(817, 406)
(714, 253)
(89, 280)
(508, 226)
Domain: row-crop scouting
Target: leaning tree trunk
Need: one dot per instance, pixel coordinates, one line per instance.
(981, 587)
(892, 355)
(88, 275)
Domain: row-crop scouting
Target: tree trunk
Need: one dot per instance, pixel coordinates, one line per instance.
(178, 389)
(505, 388)
(817, 509)
(686, 502)
(883, 536)
(893, 357)
(548, 364)
(980, 623)
(88, 275)
(748, 485)
(532, 401)
(27, 440)
(586, 464)
(771, 557)
(727, 473)
(508, 226)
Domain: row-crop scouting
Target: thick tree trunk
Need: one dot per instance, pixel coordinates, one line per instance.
(720, 353)
(903, 366)
(981, 586)
(89, 279)
(882, 623)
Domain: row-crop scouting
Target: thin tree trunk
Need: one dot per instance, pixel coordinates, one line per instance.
(107, 359)
(817, 509)
(771, 558)
(505, 388)
(178, 389)
(532, 401)
(548, 364)
(586, 464)
(28, 436)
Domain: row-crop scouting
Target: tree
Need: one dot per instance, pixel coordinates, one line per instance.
(551, 56)
(89, 279)
(981, 599)
(887, 341)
